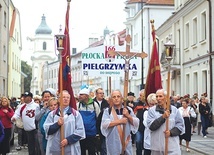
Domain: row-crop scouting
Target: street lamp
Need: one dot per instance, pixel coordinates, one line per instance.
(169, 50)
(169, 56)
(59, 42)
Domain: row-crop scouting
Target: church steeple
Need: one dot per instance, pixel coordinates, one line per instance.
(43, 52)
(105, 32)
(43, 27)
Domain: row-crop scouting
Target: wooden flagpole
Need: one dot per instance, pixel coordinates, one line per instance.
(167, 107)
(61, 105)
(169, 53)
(60, 48)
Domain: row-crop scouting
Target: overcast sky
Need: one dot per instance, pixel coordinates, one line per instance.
(86, 17)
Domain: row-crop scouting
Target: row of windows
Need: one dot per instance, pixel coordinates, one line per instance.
(196, 82)
(4, 18)
(53, 73)
(194, 26)
(193, 33)
(4, 53)
(17, 36)
(193, 83)
(16, 62)
(52, 85)
(3, 87)
(15, 88)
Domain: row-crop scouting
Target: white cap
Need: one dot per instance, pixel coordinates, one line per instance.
(52, 91)
(84, 91)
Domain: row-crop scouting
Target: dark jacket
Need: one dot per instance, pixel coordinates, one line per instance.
(104, 104)
(176, 104)
(139, 110)
(203, 109)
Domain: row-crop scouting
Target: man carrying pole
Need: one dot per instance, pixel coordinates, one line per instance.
(163, 120)
(156, 121)
(112, 125)
(127, 56)
(74, 129)
(64, 80)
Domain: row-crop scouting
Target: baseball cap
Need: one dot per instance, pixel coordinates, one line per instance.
(84, 91)
(130, 94)
(52, 91)
(28, 94)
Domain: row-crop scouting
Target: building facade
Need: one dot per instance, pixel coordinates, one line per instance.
(190, 29)
(14, 54)
(4, 45)
(50, 74)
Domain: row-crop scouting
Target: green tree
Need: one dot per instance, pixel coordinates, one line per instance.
(26, 69)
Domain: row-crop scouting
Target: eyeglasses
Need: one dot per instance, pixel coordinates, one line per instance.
(114, 97)
(100, 93)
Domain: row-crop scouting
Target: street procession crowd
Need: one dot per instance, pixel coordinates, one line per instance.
(102, 125)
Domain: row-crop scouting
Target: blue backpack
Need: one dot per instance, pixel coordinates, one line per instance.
(89, 120)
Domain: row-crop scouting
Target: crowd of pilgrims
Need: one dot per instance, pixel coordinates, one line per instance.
(41, 110)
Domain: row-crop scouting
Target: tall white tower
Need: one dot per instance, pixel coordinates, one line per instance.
(43, 52)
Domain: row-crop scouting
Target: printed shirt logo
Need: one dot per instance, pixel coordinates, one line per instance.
(30, 113)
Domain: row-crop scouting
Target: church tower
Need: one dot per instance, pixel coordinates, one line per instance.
(43, 52)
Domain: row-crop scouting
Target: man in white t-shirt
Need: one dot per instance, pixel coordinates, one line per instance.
(27, 113)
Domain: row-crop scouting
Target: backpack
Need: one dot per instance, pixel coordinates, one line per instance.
(89, 121)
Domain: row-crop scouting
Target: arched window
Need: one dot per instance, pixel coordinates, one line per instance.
(44, 45)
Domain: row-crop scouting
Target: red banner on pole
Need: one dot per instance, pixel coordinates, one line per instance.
(153, 81)
(66, 69)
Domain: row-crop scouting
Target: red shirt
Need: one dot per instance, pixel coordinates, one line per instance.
(6, 117)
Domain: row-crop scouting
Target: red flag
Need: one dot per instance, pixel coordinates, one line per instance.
(66, 71)
(153, 81)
